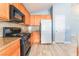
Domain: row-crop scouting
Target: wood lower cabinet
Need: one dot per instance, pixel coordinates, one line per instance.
(35, 38)
(16, 53)
(77, 51)
(12, 49)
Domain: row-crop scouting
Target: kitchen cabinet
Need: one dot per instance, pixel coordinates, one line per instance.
(12, 49)
(46, 17)
(35, 38)
(5, 15)
(4, 11)
(32, 20)
(22, 8)
(36, 19)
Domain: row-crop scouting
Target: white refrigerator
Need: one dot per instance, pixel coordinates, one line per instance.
(46, 31)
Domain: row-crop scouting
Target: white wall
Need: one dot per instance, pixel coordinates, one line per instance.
(75, 18)
(75, 22)
(71, 13)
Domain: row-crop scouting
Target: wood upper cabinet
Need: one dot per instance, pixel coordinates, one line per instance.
(35, 19)
(48, 17)
(32, 20)
(4, 11)
(5, 15)
(24, 10)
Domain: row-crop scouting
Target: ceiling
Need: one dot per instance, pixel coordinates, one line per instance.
(38, 8)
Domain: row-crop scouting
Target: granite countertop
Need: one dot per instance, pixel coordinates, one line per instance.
(6, 40)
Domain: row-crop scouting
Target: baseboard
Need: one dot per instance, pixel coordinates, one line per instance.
(67, 42)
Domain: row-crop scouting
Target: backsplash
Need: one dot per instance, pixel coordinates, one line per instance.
(23, 27)
(34, 28)
(8, 24)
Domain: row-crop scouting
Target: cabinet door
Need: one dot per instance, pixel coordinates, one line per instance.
(35, 38)
(4, 11)
(10, 49)
(16, 53)
(32, 20)
(37, 20)
(47, 17)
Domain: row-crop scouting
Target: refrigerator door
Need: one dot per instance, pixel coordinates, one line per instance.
(46, 31)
